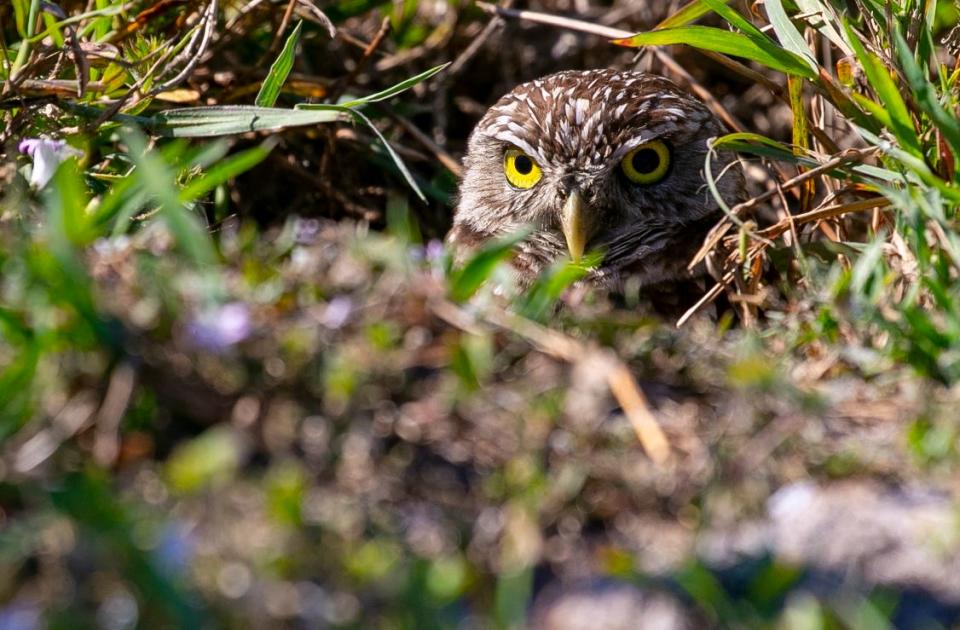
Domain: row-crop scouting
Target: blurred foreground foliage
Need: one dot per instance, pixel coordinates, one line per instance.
(221, 409)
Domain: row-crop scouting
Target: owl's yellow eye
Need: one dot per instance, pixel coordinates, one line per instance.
(647, 164)
(520, 169)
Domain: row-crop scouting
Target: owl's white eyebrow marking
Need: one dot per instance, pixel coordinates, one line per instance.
(506, 136)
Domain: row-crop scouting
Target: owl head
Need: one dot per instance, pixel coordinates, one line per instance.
(595, 160)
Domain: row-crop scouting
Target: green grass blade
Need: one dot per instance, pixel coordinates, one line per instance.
(224, 170)
(894, 113)
(383, 95)
(726, 42)
(732, 17)
(536, 302)
(221, 120)
(397, 160)
(821, 16)
(690, 12)
(280, 70)
(926, 96)
(466, 281)
(156, 178)
(787, 33)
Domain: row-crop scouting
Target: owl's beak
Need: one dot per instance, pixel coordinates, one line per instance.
(574, 225)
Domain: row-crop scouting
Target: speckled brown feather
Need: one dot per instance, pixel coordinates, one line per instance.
(578, 125)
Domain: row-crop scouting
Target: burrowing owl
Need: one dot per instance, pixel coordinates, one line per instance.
(595, 160)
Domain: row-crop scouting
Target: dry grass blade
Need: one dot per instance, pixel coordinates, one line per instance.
(826, 212)
(723, 226)
(623, 386)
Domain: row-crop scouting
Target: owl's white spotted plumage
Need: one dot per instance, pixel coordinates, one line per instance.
(595, 160)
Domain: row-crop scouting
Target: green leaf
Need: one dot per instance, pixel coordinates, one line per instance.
(383, 95)
(224, 170)
(722, 41)
(221, 120)
(787, 33)
(397, 160)
(536, 302)
(758, 145)
(270, 89)
(926, 96)
(156, 178)
(822, 17)
(467, 280)
(690, 12)
(893, 113)
(733, 17)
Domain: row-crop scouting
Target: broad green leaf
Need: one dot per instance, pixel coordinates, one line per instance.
(205, 122)
(787, 33)
(722, 41)
(466, 281)
(280, 70)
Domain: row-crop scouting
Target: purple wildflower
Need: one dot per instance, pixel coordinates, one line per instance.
(337, 312)
(434, 250)
(219, 328)
(47, 154)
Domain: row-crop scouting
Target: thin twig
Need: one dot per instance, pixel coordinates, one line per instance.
(368, 51)
(275, 42)
(720, 230)
(471, 51)
(442, 155)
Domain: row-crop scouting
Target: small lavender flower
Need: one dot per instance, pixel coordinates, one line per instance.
(219, 328)
(416, 253)
(337, 312)
(434, 250)
(306, 231)
(47, 154)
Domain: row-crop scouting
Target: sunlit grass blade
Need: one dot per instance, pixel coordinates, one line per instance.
(690, 12)
(925, 95)
(383, 95)
(822, 17)
(787, 33)
(205, 122)
(893, 113)
(733, 17)
(726, 42)
(223, 170)
(279, 71)
(464, 282)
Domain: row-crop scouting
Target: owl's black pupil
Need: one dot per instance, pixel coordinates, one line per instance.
(645, 161)
(523, 164)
